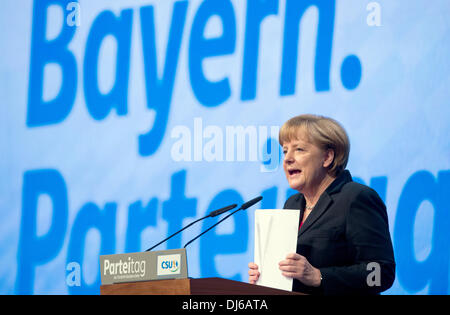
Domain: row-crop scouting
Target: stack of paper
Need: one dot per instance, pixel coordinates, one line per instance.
(276, 234)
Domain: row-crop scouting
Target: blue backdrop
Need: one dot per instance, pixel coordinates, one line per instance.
(122, 121)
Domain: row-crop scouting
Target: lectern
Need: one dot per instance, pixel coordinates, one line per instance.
(204, 286)
(165, 273)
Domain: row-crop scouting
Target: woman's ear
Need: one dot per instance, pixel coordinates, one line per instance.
(328, 158)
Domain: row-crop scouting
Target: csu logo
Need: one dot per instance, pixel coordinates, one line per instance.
(171, 265)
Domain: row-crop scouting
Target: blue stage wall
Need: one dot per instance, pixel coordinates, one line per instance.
(122, 121)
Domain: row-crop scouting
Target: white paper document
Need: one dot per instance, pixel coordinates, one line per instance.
(276, 234)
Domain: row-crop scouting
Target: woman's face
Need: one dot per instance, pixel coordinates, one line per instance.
(305, 164)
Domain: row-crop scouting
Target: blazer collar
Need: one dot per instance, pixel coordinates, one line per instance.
(336, 186)
(324, 201)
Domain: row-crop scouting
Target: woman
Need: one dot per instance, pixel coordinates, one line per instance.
(343, 245)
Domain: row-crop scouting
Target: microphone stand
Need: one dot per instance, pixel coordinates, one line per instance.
(211, 227)
(212, 214)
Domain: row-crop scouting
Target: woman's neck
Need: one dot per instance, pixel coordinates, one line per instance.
(313, 195)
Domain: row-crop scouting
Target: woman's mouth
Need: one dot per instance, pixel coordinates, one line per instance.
(293, 172)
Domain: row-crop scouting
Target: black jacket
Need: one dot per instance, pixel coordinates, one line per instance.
(345, 232)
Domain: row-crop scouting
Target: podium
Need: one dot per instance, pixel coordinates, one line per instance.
(204, 286)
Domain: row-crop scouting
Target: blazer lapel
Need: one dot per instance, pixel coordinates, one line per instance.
(321, 206)
(324, 201)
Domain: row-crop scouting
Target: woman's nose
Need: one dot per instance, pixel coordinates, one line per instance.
(288, 157)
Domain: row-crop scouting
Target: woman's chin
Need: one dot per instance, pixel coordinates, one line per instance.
(296, 186)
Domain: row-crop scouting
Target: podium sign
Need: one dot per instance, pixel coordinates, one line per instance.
(143, 266)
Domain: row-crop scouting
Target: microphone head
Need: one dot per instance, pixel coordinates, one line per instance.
(250, 203)
(222, 210)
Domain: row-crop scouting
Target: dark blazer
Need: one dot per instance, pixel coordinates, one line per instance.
(345, 232)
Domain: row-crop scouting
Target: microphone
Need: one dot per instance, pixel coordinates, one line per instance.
(250, 203)
(245, 206)
(215, 213)
(211, 214)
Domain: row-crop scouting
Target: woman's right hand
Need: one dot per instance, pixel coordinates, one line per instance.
(253, 273)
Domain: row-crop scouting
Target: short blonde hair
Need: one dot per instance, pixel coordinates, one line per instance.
(322, 131)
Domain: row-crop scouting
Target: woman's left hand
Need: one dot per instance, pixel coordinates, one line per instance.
(297, 266)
